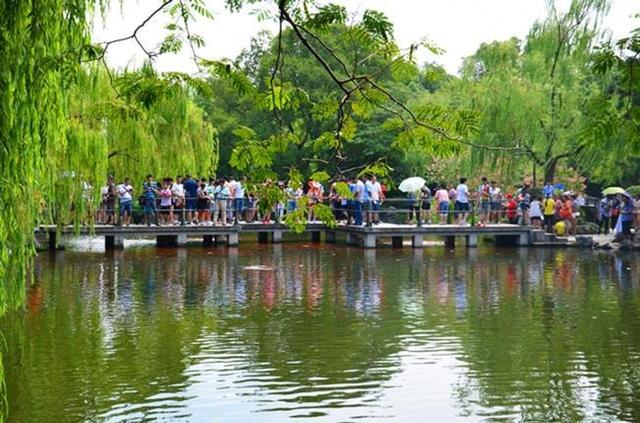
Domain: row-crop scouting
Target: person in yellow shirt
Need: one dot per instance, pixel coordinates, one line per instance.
(549, 209)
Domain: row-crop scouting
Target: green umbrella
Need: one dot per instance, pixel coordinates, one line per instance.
(613, 191)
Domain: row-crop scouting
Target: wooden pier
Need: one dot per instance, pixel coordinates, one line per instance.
(52, 237)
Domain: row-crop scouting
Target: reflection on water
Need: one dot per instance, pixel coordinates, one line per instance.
(274, 332)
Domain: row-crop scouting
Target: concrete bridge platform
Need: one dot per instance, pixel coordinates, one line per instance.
(53, 237)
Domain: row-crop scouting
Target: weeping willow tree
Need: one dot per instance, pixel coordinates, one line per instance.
(127, 125)
(148, 124)
(37, 42)
(531, 95)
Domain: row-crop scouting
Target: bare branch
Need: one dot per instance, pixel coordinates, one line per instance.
(185, 20)
(134, 34)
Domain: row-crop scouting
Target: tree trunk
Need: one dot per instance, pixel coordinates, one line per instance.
(550, 170)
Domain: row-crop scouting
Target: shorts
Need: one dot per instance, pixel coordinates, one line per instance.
(461, 207)
(494, 205)
(191, 203)
(443, 207)
(110, 207)
(238, 204)
(524, 206)
(202, 204)
(484, 206)
(165, 209)
(426, 205)
(126, 207)
(375, 205)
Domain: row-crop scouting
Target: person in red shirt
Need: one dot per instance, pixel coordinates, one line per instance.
(512, 210)
(566, 214)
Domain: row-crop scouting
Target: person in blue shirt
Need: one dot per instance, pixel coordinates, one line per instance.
(150, 191)
(191, 193)
(548, 189)
(351, 202)
(604, 215)
(626, 215)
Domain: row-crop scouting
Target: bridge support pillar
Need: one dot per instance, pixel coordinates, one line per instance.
(181, 240)
(263, 237)
(450, 241)
(472, 241)
(232, 239)
(396, 242)
(330, 237)
(369, 241)
(351, 239)
(417, 241)
(164, 241)
(276, 237)
(56, 242)
(113, 242)
(523, 239)
(315, 236)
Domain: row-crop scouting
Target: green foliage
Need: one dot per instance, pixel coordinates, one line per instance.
(634, 190)
(342, 189)
(320, 176)
(297, 220)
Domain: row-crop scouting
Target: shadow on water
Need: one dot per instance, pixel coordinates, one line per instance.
(331, 333)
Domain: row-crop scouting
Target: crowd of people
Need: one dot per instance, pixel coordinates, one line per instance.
(358, 201)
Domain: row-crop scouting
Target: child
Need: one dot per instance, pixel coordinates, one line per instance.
(512, 210)
(165, 204)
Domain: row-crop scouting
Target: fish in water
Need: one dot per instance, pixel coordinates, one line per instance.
(258, 268)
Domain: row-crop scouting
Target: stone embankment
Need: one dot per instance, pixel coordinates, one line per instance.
(591, 241)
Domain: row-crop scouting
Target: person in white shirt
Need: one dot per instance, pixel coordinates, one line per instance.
(358, 199)
(535, 213)
(376, 197)
(495, 203)
(177, 192)
(239, 197)
(462, 202)
(125, 193)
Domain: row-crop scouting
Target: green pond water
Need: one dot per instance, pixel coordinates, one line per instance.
(320, 333)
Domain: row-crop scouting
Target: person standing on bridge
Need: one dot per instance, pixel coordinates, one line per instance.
(442, 203)
(150, 191)
(376, 195)
(190, 186)
(125, 193)
(177, 191)
(484, 194)
(462, 202)
(495, 203)
(358, 199)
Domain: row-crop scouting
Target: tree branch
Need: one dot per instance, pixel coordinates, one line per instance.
(134, 35)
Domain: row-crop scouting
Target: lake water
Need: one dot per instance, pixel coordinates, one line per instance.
(320, 333)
